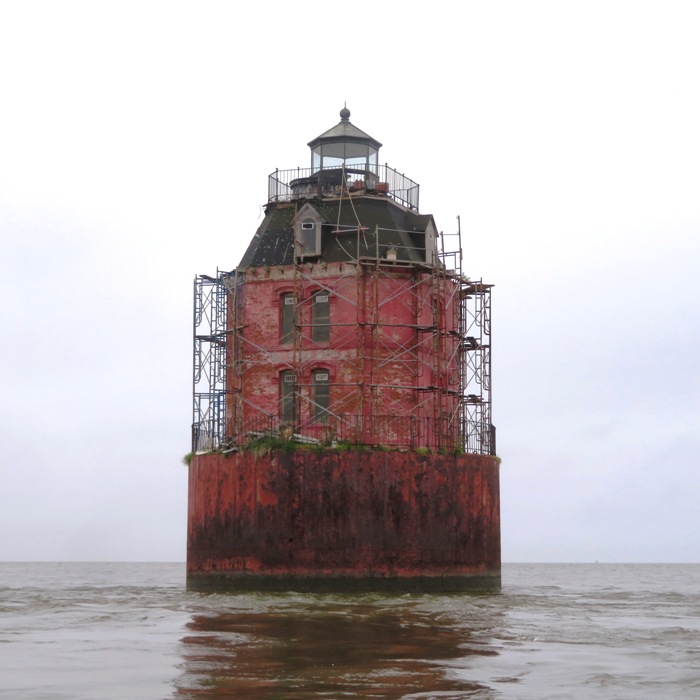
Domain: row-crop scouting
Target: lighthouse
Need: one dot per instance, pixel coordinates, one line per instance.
(342, 434)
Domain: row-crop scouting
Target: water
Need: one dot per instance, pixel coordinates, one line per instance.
(94, 631)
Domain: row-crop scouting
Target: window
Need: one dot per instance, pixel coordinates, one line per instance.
(320, 317)
(321, 394)
(287, 318)
(308, 238)
(287, 397)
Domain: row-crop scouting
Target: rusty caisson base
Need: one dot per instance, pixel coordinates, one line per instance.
(311, 520)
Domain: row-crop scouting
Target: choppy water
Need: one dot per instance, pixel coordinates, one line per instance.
(93, 631)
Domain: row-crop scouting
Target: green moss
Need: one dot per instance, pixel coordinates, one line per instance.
(266, 444)
(344, 446)
(187, 459)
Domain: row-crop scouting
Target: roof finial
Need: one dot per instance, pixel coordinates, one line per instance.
(345, 113)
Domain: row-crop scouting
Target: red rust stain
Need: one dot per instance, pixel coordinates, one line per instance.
(343, 513)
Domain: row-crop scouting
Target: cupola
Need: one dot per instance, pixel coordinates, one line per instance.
(344, 161)
(345, 146)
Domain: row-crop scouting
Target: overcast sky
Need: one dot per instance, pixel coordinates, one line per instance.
(135, 143)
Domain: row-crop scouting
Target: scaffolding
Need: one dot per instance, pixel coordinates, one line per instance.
(209, 362)
(438, 391)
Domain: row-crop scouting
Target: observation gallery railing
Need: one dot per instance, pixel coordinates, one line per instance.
(305, 183)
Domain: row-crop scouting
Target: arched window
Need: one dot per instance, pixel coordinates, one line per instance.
(321, 395)
(287, 396)
(287, 317)
(320, 317)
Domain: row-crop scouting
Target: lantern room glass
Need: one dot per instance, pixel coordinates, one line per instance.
(345, 154)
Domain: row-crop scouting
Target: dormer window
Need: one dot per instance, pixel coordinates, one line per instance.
(310, 242)
(307, 234)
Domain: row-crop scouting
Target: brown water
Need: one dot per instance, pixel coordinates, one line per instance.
(555, 631)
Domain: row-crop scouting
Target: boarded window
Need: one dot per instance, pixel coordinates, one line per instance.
(321, 395)
(320, 317)
(308, 239)
(287, 396)
(287, 316)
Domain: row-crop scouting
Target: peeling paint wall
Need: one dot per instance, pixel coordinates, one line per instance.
(335, 513)
(384, 341)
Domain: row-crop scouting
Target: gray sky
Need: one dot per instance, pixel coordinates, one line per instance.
(135, 143)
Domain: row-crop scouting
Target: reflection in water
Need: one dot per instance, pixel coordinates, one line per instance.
(331, 647)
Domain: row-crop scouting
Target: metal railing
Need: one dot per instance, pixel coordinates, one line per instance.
(305, 183)
(394, 432)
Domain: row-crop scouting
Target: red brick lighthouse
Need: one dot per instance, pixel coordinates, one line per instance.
(342, 433)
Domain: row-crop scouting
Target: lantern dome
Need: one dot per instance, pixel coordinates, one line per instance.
(344, 146)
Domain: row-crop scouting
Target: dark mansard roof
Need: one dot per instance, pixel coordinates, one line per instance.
(273, 243)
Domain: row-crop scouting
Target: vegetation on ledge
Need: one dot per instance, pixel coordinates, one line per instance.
(265, 444)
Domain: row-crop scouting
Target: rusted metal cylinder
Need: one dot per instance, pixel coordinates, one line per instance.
(311, 520)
